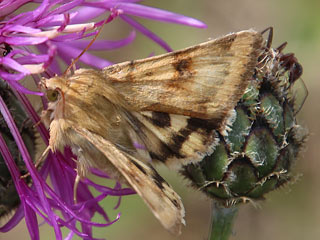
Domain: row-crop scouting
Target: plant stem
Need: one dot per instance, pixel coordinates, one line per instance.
(222, 222)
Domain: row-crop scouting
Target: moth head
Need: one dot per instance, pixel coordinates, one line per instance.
(54, 88)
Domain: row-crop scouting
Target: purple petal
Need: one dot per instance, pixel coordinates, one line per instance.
(70, 236)
(27, 17)
(148, 12)
(99, 173)
(66, 7)
(17, 41)
(87, 198)
(14, 220)
(18, 87)
(98, 208)
(42, 9)
(67, 210)
(24, 29)
(9, 6)
(74, 229)
(32, 59)
(50, 49)
(87, 13)
(111, 191)
(64, 23)
(58, 178)
(66, 52)
(11, 77)
(53, 20)
(118, 186)
(16, 51)
(100, 188)
(105, 44)
(147, 32)
(160, 15)
(9, 62)
(31, 222)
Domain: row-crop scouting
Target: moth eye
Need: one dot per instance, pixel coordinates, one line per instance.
(52, 95)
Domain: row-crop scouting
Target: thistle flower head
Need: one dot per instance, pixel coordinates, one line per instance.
(32, 43)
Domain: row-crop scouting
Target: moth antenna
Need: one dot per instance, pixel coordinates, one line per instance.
(74, 67)
(113, 15)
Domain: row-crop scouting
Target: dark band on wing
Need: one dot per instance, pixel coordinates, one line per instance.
(139, 167)
(173, 148)
(160, 119)
(164, 186)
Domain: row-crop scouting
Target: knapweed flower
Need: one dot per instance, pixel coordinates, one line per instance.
(32, 43)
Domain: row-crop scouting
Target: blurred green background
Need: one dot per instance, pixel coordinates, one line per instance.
(290, 213)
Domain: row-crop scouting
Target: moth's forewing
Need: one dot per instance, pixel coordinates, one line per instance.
(204, 81)
(156, 193)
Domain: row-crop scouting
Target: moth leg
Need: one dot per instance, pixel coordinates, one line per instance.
(75, 187)
(82, 169)
(37, 124)
(39, 161)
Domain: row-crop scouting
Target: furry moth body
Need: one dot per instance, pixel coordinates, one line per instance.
(165, 108)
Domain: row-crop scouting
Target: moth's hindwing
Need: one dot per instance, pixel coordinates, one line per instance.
(174, 139)
(165, 204)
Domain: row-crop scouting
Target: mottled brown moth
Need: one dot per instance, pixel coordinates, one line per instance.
(166, 109)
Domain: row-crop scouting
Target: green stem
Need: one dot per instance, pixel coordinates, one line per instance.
(222, 221)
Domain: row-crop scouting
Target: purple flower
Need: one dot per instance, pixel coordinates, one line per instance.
(31, 43)
(59, 32)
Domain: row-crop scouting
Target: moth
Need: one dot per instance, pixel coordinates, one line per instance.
(166, 108)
